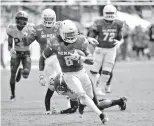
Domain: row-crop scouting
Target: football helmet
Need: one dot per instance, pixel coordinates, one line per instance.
(48, 17)
(109, 12)
(68, 31)
(21, 18)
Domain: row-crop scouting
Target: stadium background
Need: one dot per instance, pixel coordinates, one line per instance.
(83, 12)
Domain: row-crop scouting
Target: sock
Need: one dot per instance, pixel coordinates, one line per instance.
(103, 80)
(116, 102)
(89, 102)
(110, 78)
(47, 99)
(12, 85)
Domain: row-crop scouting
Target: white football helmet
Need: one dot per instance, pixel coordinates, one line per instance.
(109, 12)
(48, 17)
(68, 31)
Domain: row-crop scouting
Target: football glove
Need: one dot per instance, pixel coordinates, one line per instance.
(42, 79)
(12, 52)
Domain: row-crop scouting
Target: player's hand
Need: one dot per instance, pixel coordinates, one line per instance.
(75, 56)
(42, 79)
(25, 39)
(93, 41)
(12, 52)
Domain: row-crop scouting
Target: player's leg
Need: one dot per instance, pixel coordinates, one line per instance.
(15, 62)
(75, 85)
(94, 72)
(74, 102)
(25, 71)
(106, 103)
(107, 68)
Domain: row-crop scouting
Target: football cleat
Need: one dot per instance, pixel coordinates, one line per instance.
(108, 88)
(122, 105)
(12, 98)
(18, 77)
(81, 108)
(103, 118)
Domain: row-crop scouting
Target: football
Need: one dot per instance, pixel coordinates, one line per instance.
(81, 53)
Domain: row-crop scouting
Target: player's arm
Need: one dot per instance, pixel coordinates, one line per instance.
(45, 54)
(93, 30)
(119, 39)
(88, 56)
(30, 38)
(10, 46)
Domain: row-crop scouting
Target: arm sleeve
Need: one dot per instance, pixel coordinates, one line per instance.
(45, 54)
(10, 42)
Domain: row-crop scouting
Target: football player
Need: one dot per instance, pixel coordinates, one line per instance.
(109, 33)
(19, 51)
(75, 76)
(58, 84)
(42, 33)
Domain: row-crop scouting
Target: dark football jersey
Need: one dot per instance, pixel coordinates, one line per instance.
(63, 52)
(107, 32)
(44, 34)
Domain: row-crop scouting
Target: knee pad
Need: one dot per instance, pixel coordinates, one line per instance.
(106, 72)
(25, 73)
(107, 67)
(93, 72)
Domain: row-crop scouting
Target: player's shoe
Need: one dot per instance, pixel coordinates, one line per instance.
(81, 108)
(103, 118)
(108, 88)
(12, 98)
(122, 105)
(18, 77)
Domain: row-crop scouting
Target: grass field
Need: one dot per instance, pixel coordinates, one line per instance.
(134, 80)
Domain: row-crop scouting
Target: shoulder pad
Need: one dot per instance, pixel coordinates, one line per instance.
(10, 29)
(57, 25)
(31, 24)
(38, 27)
(119, 22)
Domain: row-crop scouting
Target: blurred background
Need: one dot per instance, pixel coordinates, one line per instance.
(138, 16)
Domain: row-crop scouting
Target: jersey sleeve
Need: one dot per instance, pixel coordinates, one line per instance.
(57, 27)
(9, 30)
(121, 26)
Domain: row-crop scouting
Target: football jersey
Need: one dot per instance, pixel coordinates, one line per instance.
(18, 35)
(67, 63)
(107, 32)
(43, 34)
